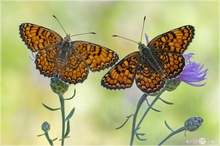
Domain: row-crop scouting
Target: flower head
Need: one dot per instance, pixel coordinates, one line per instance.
(193, 72)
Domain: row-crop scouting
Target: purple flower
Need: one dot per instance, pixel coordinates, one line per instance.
(193, 72)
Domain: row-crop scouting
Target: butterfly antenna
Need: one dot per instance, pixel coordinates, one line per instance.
(83, 33)
(125, 38)
(142, 31)
(60, 24)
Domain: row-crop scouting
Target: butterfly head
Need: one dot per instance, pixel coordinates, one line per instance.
(67, 38)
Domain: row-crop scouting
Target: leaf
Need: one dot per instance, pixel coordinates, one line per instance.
(128, 117)
(67, 129)
(49, 108)
(152, 107)
(168, 126)
(140, 134)
(71, 96)
(55, 139)
(70, 115)
(166, 101)
(40, 135)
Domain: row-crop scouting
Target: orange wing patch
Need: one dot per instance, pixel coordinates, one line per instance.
(38, 37)
(175, 41)
(122, 75)
(96, 57)
(147, 79)
(74, 70)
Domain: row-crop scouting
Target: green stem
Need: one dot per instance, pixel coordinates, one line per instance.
(171, 134)
(140, 102)
(63, 117)
(148, 109)
(48, 138)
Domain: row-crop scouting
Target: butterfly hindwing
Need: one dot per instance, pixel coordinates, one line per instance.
(96, 56)
(122, 75)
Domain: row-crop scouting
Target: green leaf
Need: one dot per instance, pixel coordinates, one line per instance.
(168, 126)
(55, 139)
(156, 110)
(140, 134)
(40, 135)
(71, 96)
(128, 117)
(67, 129)
(70, 115)
(166, 101)
(49, 108)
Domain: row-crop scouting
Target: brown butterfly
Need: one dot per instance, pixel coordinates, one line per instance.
(153, 64)
(69, 60)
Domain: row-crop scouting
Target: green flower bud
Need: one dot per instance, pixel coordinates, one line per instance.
(58, 86)
(193, 123)
(45, 126)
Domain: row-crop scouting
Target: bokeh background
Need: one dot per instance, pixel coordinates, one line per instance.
(98, 110)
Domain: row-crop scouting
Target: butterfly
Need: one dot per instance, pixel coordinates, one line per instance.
(161, 59)
(63, 58)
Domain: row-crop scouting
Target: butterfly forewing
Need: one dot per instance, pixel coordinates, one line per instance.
(174, 41)
(38, 37)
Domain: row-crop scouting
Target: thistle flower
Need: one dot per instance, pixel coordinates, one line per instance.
(193, 72)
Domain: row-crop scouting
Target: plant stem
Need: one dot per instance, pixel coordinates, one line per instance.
(173, 133)
(48, 138)
(148, 109)
(140, 102)
(63, 117)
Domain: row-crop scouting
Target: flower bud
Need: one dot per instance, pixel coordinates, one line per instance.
(45, 126)
(58, 86)
(193, 123)
(172, 84)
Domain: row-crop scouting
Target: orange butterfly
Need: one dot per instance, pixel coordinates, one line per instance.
(69, 60)
(150, 67)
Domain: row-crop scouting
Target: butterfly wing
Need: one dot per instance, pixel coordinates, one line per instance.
(74, 69)
(38, 37)
(122, 75)
(46, 61)
(147, 79)
(168, 47)
(174, 41)
(96, 57)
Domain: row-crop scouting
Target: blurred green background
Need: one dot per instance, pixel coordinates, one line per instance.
(100, 111)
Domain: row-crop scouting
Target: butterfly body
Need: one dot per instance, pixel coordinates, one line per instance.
(162, 59)
(147, 56)
(67, 59)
